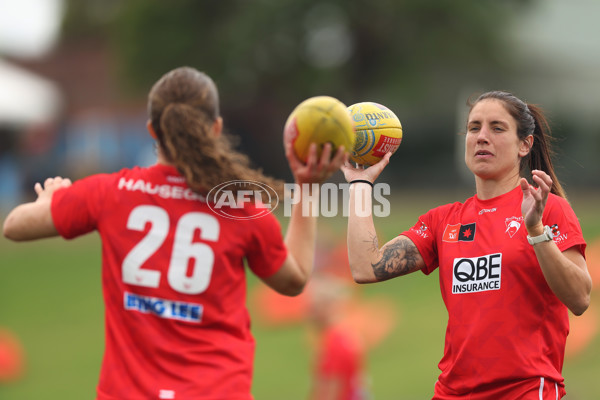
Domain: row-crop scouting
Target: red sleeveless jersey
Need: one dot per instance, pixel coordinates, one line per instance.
(505, 324)
(174, 284)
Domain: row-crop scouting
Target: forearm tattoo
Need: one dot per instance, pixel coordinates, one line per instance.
(374, 243)
(399, 257)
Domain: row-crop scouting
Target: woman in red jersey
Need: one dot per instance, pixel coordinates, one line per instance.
(510, 258)
(339, 347)
(173, 271)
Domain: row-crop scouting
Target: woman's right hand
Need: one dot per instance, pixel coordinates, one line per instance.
(370, 174)
(316, 169)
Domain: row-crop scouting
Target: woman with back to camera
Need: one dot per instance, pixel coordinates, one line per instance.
(511, 258)
(173, 271)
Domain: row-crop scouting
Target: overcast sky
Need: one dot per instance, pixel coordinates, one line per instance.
(29, 28)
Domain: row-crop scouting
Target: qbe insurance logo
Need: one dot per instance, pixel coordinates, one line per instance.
(478, 274)
(227, 199)
(231, 200)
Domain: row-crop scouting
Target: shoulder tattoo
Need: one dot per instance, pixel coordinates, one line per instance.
(399, 257)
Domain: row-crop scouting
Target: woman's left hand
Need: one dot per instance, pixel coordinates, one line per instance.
(360, 172)
(534, 199)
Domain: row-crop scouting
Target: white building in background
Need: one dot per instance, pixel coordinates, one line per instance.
(27, 98)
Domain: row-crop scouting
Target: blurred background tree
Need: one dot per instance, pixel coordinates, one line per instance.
(267, 56)
(422, 59)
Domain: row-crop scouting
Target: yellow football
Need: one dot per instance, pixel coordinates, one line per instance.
(378, 131)
(320, 120)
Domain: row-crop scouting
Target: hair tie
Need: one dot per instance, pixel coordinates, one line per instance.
(362, 181)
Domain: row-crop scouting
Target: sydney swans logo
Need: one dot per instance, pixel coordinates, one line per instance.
(513, 224)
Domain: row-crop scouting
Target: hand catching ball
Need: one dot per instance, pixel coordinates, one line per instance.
(320, 120)
(378, 131)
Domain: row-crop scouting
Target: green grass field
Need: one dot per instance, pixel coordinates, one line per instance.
(50, 296)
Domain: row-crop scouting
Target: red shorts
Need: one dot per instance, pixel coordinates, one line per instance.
(529, 389)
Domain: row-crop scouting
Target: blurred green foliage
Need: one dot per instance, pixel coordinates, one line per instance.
(267, 56)
(422, 59)
(288, 49)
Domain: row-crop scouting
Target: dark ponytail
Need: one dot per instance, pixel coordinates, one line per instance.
(540, 156)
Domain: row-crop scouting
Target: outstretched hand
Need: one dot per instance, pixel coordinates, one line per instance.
(360, 172)
(316, 169)
(534, 199)
(50, 186)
